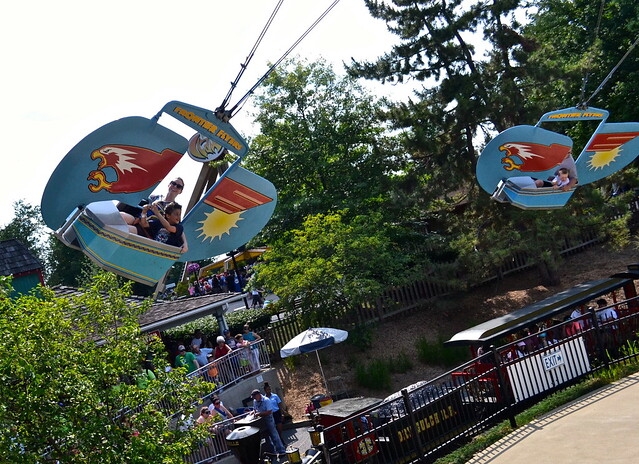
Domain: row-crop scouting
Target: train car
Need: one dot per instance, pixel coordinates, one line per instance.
(549, 343)
(354, 424)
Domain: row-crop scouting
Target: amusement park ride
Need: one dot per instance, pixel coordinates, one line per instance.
(515, 165)
(124, 161)
(511, 162)
(116, 168)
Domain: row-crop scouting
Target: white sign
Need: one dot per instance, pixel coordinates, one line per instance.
(555, 366)
(553, 360)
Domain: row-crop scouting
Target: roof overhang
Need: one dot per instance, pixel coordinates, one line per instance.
(545, 309)
(216, 308)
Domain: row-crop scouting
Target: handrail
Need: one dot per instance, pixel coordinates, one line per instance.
(234, 366)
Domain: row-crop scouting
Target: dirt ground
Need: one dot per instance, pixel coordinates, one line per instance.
(438, 321)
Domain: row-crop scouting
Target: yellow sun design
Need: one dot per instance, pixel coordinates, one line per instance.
(218, 223)
(601, 159)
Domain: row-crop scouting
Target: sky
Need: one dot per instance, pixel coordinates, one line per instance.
(71, 66)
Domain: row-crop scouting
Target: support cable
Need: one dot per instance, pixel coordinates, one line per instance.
(250, 55)
(235, 108)
(587, 73)
(634, 44)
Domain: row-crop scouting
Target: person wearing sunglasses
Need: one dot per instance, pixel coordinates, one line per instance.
(205, 415)
(217, 407)
(176, 186)
(132, 216)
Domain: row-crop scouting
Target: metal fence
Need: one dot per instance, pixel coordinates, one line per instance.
(428, 419)
(234, 366)
(215, 446)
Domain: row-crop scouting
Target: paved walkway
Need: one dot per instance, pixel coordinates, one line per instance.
(602, 427)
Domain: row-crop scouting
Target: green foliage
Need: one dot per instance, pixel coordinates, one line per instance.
(400, 364)
(525, 71)
(322, 146)
(290, 363)
(68, 266)
(28, 228)
(361, 337)
(254, 317)
(208, 325)
(436, 353)
(62, 392)
(182, 289)
(332, 264)
(375, 375)
(572, 40)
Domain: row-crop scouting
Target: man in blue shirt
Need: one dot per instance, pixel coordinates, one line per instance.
(263, 407)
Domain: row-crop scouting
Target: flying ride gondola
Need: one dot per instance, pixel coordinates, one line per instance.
(124, 161)
(517, 157)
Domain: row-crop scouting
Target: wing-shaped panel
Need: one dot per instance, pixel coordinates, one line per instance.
(611, 148)
(123, 160)
(521, 151)
(231, 213)
(206, 123)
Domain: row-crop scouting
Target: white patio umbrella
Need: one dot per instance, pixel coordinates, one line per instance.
(314, 339)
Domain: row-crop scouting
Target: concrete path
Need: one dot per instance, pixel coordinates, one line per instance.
(602, 427)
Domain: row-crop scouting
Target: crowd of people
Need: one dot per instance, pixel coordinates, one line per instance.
(202, 352)
(223, 282)
(266, 405)
(550, 332)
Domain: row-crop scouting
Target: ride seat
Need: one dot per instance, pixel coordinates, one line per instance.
(108, 214)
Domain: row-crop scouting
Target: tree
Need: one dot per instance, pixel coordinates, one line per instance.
(525, 71)
(28, 227)
(581, 40)
(68, 388)
(466, 95)
(332, 264)
(322, 146)
(66, 265)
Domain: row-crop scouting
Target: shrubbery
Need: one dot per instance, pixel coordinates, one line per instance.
(209, 326)
(377, 374)
(436, 353)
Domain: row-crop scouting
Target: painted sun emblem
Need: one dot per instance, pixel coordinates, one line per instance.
(218, 223)
(601, 159)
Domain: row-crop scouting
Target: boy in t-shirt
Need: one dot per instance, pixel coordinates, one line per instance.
(561, 179)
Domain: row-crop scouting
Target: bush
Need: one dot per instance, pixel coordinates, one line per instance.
(256, 318)
(376, 375)
(400, 364)
(209, 326)
(361, 337)
(182, 289)
(436, 353)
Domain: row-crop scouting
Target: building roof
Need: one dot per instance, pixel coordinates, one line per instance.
(545, 309)
(164, 315)
(15, 258)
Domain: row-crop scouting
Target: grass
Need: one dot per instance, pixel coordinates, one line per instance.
(486, 439)
(375, 375)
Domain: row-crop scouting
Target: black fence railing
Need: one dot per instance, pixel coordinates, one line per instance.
(427, 419)
(233, 367)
